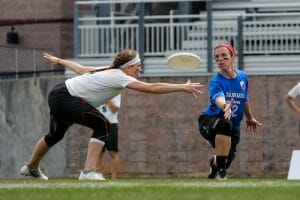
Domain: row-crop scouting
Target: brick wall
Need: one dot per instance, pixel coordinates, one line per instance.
(36, 9)
(159, 133)
(57, 37)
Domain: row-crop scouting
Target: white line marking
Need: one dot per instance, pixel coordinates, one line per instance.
(180, 183)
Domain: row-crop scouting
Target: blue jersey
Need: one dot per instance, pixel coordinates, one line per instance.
(236, 88)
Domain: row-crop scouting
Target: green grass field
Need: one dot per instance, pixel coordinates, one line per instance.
(151, 189)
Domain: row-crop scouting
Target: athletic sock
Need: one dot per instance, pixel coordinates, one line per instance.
(221, 162)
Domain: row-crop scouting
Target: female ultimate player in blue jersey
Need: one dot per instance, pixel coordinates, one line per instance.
(220, 122)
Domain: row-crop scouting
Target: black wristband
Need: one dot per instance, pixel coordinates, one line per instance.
(224, 106)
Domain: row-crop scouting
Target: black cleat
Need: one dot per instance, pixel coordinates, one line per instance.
(213, 170)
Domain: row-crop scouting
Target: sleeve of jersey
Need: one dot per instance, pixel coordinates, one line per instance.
(124, 80)
(215, 90)
(295, 91)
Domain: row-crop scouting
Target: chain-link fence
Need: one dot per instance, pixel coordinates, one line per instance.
(24, 62)
(23, 41)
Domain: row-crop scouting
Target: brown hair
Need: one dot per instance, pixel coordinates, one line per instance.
(121, 58)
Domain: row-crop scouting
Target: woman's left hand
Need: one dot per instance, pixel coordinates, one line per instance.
(252, 125)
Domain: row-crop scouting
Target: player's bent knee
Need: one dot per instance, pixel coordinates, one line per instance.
(97, 141)
(99, 135)
(52, 139)
(224, 127)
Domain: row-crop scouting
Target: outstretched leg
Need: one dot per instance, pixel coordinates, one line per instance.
(223, 144)
(31, 168)
(39, 151)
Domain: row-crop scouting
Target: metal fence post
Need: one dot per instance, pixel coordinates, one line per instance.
(172, 40)
(103, 11)
(141, 32)
(209, 35)
(240, 43)
(112, 37)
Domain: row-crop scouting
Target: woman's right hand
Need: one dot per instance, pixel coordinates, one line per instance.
(53, 59)
(194, 88)
(227, 109)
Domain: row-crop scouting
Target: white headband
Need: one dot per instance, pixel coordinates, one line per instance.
(133, 61)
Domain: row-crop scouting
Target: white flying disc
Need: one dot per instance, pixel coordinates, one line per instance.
(183, 61)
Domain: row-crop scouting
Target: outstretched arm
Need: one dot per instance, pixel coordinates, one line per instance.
(251, 122)
(292, 103)
(225, 107)
(76, 67)
(161, 88)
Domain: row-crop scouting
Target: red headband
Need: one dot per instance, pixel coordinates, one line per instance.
(228, 46)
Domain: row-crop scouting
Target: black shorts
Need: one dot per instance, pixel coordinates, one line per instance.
(66, 110)
(207, 125)
(111, 143)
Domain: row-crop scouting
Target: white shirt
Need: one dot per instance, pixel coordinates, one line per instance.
(109, 115)
(295, 91)
(98, 87)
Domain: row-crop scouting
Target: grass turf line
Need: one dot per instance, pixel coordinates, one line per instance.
(145, 189)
